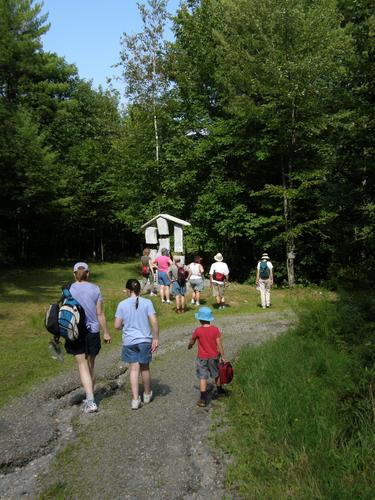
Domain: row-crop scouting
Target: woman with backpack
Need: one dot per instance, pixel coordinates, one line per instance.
(179, 274)
(147, 272)
(136, 317)
(264, 280)
(89, 297)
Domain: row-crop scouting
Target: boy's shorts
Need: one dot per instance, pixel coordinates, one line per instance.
(218, 289)
(93, 345)
(137, 353)
(207, 368)
(178, 289)
(197, 285)
(163, 279)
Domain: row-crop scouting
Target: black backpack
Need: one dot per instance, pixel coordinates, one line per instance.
(66, 318)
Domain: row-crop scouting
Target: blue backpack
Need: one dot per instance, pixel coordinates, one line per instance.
(264, 270)
(67, 318)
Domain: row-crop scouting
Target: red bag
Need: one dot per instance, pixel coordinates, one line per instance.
(225, 372)
(145, 271)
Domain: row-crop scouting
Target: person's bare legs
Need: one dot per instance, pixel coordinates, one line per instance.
(167, 293)
(202, 384)
(197, 295)
(146, 378)
(162, 292)
(134, 369)
(178, 303)
(91, 363)
(85, 375)
(182, 304)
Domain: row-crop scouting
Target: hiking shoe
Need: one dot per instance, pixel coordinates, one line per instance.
(90, 406)
(136, 403)
(147, 398)
(220, 391)
(201, 402)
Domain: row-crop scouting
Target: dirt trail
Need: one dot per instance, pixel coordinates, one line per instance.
(158, 451)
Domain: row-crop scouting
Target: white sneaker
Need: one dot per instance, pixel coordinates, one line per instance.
(136, 403)
(198, 303)
(168, 301)
(147, 398)
(90, 406)
(192, 301)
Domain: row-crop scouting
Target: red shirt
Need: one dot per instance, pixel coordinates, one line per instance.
(207, 341)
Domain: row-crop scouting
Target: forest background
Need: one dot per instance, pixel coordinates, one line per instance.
(255, 124)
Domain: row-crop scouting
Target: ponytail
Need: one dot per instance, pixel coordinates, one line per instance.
(81, 274)
(134, 286)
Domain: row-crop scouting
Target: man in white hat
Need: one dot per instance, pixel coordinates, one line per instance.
(219, 273)
(264, 280)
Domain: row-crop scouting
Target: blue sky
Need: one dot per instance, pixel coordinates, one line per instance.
(87, 33)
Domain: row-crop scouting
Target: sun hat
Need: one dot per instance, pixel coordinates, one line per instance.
(204, 314)
(218, 257)
(80, 265)
(265, 256)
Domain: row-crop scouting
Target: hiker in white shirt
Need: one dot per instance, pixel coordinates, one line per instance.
(219, 273)
(264, 280)
(196, 279)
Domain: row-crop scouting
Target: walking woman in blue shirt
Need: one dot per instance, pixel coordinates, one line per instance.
(136, 317)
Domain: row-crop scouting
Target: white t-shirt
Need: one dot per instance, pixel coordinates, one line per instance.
(219, 267)
(195, 271)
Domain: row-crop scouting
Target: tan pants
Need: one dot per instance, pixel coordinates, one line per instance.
(265, 292)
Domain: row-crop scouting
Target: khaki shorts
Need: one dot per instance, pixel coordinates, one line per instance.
(218, 289)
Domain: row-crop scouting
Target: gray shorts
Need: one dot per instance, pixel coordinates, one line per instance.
(207, 368)
(197, 285)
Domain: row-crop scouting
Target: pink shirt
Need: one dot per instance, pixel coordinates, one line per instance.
(163, 262)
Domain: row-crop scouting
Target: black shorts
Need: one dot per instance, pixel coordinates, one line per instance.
(91, 345)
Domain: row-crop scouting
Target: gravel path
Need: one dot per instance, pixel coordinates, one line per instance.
(158, 451)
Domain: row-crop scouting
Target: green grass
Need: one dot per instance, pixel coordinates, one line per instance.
(295, 425)
(25, 295)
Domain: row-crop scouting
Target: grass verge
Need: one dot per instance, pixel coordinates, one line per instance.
(297, 424)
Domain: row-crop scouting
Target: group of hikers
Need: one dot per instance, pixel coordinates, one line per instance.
(136, 317)
(172, 277)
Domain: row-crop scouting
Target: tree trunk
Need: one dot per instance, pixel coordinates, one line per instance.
(154, 105)
(287, 185)
(101, 248)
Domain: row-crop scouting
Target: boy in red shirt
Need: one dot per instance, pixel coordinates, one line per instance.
(210, 349)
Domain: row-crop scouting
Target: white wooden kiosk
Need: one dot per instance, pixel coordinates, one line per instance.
(157, 235)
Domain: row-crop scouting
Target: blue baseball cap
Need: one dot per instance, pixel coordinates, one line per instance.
(204, 314)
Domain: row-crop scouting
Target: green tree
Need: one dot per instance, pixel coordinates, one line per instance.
(283, 64)
(142, 62)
